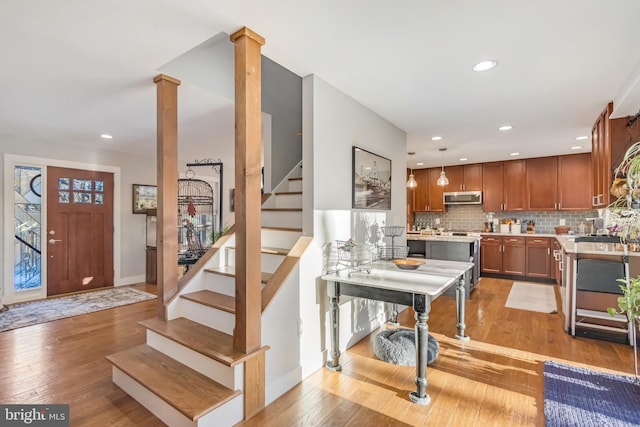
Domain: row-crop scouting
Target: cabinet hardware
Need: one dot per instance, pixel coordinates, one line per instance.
(548, 251)
(561, 266)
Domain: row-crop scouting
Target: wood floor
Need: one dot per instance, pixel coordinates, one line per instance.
(494, 379)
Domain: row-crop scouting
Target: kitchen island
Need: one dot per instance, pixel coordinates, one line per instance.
(414, 288)
(448, 248)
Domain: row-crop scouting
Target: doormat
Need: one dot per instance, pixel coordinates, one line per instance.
(31, 313)
(532, 297)
(582, 397)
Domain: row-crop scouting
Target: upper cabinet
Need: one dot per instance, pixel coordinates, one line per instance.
(464, 178)
(421, 192)
(503, 186)
(436, 203)
(542, 184)
(610, 138)
(574, 175)
(559, 183)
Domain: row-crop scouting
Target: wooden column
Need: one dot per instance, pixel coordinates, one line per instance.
(248, 152)
(167, 176)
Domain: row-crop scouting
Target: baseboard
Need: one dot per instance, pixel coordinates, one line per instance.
(131, 280)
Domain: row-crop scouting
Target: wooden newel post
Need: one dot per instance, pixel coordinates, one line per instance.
(167, 176)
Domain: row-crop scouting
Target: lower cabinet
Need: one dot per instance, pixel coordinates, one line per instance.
(539, 257)
(516, 256)
(503, 255)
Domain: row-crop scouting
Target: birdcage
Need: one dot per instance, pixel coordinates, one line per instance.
(196, 217)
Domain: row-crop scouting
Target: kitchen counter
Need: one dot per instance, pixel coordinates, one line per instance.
(440, 238)
(567, 243)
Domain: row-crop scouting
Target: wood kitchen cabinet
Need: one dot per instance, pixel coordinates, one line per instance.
(542, 184)
(513, 256)
(421, 192)
(538, 262)
(574, 175)
(559, 183)
(491, 254)
(503, 255)
(464, 177)
(436, 204)
(503, 186)
(610, 138)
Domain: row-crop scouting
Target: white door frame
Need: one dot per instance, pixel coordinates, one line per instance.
(7, 294)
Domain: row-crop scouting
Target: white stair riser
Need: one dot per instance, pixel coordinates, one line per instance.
(230, 377)
(208, 316)
(228, 414)
(295, 185)
(285, 219)
(220, 283)
(270, 262)
(279, 238)
(288, 201)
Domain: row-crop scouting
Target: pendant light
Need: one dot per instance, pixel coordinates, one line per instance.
(442, 180)
(411, 183)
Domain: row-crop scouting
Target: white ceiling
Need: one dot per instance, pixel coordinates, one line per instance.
(74, 69)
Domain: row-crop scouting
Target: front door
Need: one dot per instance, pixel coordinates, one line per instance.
(79, 234)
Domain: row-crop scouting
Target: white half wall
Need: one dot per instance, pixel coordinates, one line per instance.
(332, 124)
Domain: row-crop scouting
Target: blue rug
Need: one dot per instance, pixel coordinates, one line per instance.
(581, 397)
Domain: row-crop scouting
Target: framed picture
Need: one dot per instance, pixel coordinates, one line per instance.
(371, 180)
(144, 197)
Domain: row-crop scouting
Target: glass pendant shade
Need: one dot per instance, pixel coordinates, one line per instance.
(411, 183)
(443, 180)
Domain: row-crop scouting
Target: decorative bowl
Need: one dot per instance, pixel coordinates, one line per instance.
(407, 264)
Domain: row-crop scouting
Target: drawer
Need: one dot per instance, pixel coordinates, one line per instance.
(508, 240)
(538, 241)
(491, 239)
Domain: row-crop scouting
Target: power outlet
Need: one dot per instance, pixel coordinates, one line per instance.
(563, 221)
(437, 221)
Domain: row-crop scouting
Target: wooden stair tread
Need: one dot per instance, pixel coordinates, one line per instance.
(205, 340)
(212, 299)
(287, 193)
(186, 390)
(298, 230)
(269, 250)
(231, 272)
(281, 209)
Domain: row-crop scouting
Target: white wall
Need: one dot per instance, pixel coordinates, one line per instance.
(332, 124)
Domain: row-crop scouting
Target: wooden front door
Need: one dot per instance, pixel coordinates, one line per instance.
(79, 230)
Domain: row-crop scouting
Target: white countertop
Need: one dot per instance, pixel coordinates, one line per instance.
(568, 244)
(437, 238)
(432, 278)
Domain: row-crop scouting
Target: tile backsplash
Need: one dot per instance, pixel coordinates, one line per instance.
(461, 217)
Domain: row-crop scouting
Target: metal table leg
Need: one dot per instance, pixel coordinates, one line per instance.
(421, 306)
(460, 291)
(333, 289)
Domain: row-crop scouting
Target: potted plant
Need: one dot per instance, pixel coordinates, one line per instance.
(629, 305)
(623, 215)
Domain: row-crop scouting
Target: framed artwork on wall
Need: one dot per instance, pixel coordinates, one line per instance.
(144, 197)
(370, 181)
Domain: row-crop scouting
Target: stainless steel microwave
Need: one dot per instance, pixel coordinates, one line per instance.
(462, 197)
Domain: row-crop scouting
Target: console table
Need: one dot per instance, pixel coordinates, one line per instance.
(415, 288)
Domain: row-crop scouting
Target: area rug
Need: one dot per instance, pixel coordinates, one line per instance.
(532, 297)
(32, 313)
(581, 397)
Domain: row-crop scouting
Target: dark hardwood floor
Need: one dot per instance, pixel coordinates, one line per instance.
(494, 379)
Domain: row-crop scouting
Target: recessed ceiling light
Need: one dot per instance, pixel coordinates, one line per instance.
(505, 127)
(419, 164)
(580, 138)
(576, 147)
(485, 65)
(106, 136)
(463, 159)
(514, 154)
(436, 138)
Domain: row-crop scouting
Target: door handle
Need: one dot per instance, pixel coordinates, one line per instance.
(52, 241)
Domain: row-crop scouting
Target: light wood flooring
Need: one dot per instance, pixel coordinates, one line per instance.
(493, 380)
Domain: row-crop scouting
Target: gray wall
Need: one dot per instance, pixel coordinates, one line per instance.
(282, 99)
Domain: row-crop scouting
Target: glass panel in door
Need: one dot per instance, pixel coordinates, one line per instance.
(27, 218)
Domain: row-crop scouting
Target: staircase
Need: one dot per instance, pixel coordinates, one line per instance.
(188, 373)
